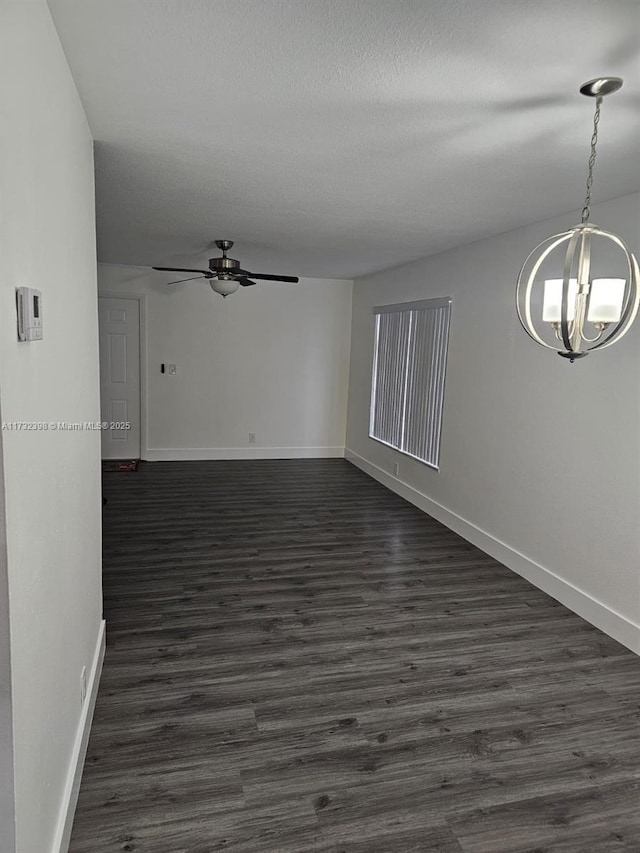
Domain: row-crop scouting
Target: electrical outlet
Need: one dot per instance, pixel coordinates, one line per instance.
(396, 469)
(252, 438)
(83, 685)
(171, 369)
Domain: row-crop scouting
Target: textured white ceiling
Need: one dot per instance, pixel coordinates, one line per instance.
(331, 138)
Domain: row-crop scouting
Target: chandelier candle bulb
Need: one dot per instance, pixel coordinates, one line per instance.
(552, 304)
(606, 300)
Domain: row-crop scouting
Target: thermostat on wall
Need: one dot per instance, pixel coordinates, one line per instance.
(29, 314)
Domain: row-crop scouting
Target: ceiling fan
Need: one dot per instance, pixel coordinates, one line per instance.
(225, 274)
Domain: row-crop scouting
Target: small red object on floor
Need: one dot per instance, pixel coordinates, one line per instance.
(120, 465)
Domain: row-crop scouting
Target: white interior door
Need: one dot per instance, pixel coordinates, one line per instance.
(120, 377)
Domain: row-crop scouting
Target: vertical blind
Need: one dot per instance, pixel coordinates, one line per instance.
(407, 393)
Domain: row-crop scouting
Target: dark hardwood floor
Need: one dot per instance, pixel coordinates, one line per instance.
(298, 660)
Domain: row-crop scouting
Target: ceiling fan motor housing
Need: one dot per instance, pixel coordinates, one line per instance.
(224, 265)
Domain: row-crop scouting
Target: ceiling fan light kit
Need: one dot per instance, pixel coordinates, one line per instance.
(224, 286)
(608, 304)
(225, 275)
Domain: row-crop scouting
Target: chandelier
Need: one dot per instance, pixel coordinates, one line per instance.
(581, 312)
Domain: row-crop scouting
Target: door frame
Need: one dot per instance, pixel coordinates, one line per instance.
(141, 298)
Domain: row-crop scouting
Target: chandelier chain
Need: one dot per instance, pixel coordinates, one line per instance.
(586, 210)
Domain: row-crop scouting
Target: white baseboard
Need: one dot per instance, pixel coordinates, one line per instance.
(76, 764)
(603, 617)
(186, 454)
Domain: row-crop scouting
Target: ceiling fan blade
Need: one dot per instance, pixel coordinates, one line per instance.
(264, 277)
(205, 273)
(181, 280)
(244, 281)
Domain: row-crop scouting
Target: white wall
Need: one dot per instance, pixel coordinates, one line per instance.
(540, 461)
(271, 359)
(51, 479)
(7, 810)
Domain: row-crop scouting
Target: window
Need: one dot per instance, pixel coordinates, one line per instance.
(409, 364)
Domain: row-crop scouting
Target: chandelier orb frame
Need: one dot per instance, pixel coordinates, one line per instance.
(610, 305)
